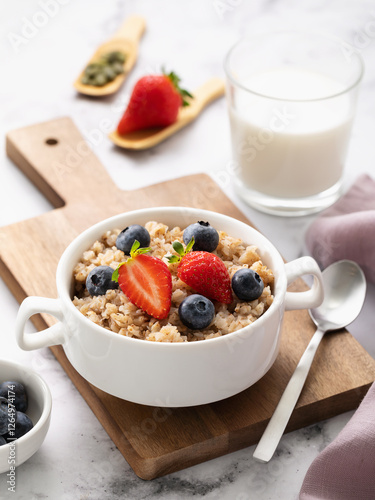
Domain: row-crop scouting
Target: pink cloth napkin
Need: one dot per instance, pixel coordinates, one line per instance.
(346, 230)
(345, 469)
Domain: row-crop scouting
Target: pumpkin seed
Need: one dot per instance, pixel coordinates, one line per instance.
(104, 70)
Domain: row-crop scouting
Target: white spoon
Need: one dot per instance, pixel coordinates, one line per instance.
(344, 294)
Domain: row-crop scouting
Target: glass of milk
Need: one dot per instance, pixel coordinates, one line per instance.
(291, 99)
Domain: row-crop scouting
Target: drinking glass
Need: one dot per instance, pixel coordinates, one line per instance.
(291, 100)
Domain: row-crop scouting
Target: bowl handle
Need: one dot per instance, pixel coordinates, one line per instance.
(53, 335)
(310, 298)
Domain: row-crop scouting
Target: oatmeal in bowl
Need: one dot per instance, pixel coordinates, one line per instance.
(154, 309)
(113, 309)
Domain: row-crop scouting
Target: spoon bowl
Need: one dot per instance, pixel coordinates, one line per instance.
(345, 290)
(125, 40)
(344, 293)
(143, 139)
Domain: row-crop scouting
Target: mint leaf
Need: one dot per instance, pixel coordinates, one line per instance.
(173, 258)
(178, 247)
(190, 245)
(115, 273)
(134, 247)
(143, 250)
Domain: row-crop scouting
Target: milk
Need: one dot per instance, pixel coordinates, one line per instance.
(290, 148)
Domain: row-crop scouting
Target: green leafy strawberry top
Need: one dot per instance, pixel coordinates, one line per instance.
(175, 79)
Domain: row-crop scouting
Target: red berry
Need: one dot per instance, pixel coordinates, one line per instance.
(155, 102)
(206, 273)
(147, 283)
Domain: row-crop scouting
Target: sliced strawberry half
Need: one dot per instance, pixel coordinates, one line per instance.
(146, 281)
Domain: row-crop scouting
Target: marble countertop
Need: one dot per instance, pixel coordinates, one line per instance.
(42, 54)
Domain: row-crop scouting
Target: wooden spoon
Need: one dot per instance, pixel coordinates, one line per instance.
(143, 139)
(126, 40)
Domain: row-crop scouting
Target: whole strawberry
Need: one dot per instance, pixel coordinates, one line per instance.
(203, 271)
(146, 281)
(155, 102)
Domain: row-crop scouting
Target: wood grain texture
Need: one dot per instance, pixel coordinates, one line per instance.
(157, 441)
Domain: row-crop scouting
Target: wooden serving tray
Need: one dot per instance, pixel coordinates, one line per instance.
(157, 441)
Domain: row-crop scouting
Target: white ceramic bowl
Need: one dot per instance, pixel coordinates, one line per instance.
(169, 374)
(39, 410)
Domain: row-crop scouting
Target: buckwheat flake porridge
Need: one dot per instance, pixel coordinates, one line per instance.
(115, 312)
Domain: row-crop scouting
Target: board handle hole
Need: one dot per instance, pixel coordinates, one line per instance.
(51, 141)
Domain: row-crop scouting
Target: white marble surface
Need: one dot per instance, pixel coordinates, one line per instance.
(78, 460)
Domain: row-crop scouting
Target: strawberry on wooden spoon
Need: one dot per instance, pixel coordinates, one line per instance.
(154, 102)
(146, 281)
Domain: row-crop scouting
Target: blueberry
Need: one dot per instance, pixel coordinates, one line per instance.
(23, 424)
(2, 441)
(99, 280)
(206, 237)
(247, 284)
(128, 235)
(3, 416)
(15, 393)
(196, 311)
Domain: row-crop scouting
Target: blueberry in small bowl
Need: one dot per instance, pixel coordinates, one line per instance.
(18, 391)
(24, 433)
(3, 416)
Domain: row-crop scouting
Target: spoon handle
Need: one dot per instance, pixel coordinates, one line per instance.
(210, 90)
(276, 426)
(132, 29)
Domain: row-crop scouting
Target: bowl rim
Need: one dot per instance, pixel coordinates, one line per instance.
(46, 394)
(65, 296)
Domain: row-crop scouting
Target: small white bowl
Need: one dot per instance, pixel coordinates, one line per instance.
(39, 410)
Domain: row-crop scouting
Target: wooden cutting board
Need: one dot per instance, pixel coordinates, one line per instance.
(157, 441)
